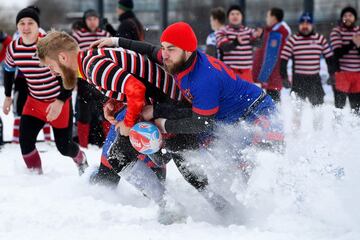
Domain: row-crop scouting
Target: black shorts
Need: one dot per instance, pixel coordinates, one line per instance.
(308, 86)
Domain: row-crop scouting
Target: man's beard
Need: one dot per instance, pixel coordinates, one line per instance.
(348, 24)
(176, 67)
(69, 77)
(306, 32)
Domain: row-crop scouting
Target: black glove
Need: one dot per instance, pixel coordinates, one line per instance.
(331, 80)
(286, 83)
(103, 23)
(2, 36)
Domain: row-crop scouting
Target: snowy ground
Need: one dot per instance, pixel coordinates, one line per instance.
(311, 192)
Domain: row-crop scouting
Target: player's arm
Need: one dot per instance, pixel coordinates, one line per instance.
(286, 54)
(205, 105)
(191, 125)
(119, 80)
(171, 111)
(224, 43)
(153, 52)
(64, 94)
(9, 77)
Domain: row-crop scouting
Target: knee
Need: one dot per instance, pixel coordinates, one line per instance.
(26, 144)
(67, 148)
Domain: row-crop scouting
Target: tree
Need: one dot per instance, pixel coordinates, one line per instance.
(52, 13)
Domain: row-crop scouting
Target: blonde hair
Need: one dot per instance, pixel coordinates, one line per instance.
(55, 42)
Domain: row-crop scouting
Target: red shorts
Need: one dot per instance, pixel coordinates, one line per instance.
(244, 74)
(347, 82)
(37, 108)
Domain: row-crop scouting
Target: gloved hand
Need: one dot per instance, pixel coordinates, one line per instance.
(104, 22)
(3, 35)
(286, 83)
(331, 80)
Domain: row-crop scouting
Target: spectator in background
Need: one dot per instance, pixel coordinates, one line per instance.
(21, 92)
(130, 27)
(266, 68)
(89, 99)
(235, 43)
(345, 40)
(217, 21)
(47, 100)
(5, 40)
(305, 48)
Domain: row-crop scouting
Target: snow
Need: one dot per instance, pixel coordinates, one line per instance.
(310, 192)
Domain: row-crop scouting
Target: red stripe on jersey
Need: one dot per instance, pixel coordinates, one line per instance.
(306, 52)
(100, 67)
(41, 83)
(85, 38)
(205, 112)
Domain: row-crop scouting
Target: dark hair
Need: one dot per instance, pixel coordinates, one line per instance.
(278, 13)
(235, 7)
(218, 13)
(350, 10)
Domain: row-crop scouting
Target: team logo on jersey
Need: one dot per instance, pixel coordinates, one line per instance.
(187, 94)
(274, 43)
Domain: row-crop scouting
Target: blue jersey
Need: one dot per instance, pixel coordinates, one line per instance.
(214, 89)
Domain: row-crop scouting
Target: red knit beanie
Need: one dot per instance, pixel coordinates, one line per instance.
(181, 35)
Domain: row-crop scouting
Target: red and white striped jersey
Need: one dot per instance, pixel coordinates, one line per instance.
(339, 36)
(120, 74)
(242, 56)
(85, 37)
(41, 83)
(305, 51)
(109, 69)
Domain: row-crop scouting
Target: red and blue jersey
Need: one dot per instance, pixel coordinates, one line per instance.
(215, 90)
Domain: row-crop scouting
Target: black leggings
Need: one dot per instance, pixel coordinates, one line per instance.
(340, 100)
(122, 154)
(89, 102)
(175, 145)
(30, 127)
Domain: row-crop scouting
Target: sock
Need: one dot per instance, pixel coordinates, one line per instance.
(106, 127)
(47, 132)
(16, 132)
(83, 133)
(80, 157)
(33, 161)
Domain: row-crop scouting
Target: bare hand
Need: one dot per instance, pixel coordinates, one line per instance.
(53, 110)
(148, 112)
(122, 129)
(356, 40)
(258, 32)
(7, 105)
(160, 123)
(104, 42)
(109, 112)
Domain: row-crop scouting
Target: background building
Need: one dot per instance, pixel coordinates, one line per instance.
(326, 12)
